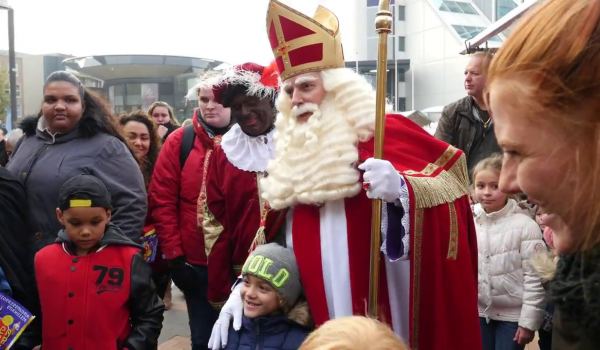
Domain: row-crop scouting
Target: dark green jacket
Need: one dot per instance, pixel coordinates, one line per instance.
(460, 128)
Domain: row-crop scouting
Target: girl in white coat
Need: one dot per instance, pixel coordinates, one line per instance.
(511, 296)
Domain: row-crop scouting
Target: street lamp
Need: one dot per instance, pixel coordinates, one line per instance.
(12, 70)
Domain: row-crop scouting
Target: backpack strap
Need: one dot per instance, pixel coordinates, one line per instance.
(186, 144)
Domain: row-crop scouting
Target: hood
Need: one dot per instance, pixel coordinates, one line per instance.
(112, 236)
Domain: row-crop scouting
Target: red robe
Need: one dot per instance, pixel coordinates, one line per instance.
(443, 247)
(233, 201)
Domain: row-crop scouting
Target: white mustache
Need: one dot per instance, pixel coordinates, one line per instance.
(304, 108)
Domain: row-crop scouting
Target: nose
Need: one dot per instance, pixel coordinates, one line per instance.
(60, 105)
(297, 99)
(508, 179)
(137, 141)
(211, 104)
(85, 231)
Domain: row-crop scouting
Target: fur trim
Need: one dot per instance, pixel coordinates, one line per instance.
(29, 124)
(300, 314)
(250, 80)
(545, 265)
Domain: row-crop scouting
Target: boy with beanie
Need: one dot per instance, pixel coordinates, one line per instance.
(95, 288)
(270, 289)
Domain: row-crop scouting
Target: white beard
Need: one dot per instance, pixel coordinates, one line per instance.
(315, 161)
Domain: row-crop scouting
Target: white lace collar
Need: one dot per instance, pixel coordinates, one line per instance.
(248, 153)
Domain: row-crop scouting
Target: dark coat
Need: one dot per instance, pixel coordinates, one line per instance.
(43, 162)
(267, 333)
(460, 128)
(16, 254)
(575, 290)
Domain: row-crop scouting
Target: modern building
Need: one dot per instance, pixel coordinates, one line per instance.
(425, 67)
(132, 82)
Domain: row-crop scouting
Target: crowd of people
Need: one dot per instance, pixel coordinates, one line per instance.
(258, 208)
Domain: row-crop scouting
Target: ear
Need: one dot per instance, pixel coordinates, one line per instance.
(108, 214)
(60, 216)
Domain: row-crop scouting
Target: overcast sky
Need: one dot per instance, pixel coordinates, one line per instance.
(229, 30)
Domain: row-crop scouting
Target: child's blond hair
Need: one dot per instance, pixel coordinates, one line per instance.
(493, 162)
(353, 333)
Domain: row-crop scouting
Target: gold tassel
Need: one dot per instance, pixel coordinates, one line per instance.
(259, 239)
(446, 187)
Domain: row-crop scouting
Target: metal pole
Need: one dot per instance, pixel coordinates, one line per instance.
(12, 70)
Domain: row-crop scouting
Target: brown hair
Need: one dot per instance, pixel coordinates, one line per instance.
(172, 118)
(353, 333)
(141, 117)
(552, 60)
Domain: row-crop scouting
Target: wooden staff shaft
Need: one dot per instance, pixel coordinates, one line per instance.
(383, 25)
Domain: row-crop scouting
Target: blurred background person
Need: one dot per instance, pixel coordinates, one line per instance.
(3, 155)
(162, 114)
(511, 296)
(139, 130)
(176, 183)
(12, 138)
(466, 123)
(75, 135)
(544, 95)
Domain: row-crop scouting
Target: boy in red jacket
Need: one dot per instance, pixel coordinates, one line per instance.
(95, 288)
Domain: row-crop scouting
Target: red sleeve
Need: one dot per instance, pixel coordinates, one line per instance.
(163, 196)
(220, 265)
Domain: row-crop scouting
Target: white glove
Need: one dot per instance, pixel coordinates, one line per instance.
(233, 309)
(381, 180)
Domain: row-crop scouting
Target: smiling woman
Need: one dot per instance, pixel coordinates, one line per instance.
(544, 94)
(74, 134)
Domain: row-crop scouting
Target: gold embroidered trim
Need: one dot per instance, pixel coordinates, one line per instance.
(211, 228)
(445, 187)
(417, 256)
(453, 241)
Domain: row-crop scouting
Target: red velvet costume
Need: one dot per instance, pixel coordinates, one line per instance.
(233, 200)
(443, 245)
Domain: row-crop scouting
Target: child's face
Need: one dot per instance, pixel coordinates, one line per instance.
(259, 297)
(487, 192)
(84, 226)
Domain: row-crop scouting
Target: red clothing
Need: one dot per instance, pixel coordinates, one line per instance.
(443, 247)
(84, 299)
(173, 194)
(233, 200)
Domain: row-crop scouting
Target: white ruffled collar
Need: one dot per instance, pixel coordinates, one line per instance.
(248, 153)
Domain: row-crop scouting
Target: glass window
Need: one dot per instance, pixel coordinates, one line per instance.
(400, 15)
(401, 43)
(458, 7)
(134, 95)
(467, 32)
(118, 92)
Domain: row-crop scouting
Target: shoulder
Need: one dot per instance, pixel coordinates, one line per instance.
(461, 105)
(48, 251)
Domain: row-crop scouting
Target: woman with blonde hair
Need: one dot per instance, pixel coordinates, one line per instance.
(544, 94)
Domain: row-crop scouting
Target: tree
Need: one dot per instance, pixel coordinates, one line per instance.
(4, 93)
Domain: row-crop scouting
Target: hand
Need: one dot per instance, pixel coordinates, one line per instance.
(233, 308)
(183, 275)
(37, 347)
(162, 131)
(523, 336)
(381, 180)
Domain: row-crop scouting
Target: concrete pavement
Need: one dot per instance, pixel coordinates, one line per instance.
(175, 334)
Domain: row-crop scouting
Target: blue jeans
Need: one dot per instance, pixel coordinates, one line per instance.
(192, 281)
(498, 335)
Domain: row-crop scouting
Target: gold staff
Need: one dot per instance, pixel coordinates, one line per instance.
(383, 25)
